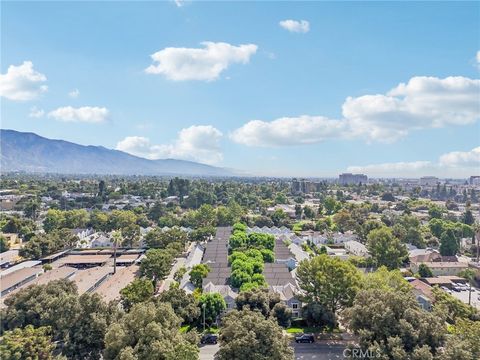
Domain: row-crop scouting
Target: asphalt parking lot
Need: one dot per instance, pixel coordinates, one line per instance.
(315, 351)
(463, 296)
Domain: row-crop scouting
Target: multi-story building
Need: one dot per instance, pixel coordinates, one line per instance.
(352, 179)
(429, 181)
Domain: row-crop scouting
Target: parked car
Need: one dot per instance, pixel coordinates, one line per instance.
(304, 338)
(209, 339)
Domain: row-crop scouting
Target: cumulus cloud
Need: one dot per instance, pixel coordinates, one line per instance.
(197, 143)
(88, 114)
(74, 93)
(205, 64)
(22, 82)
(421, 103)
(288, 131)
(36, 113)
(452, 164)
(302, 26)
(462, 158)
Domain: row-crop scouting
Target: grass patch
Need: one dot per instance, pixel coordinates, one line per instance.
(297, 330)
(313, 329)
(209, 330)
(185, 328)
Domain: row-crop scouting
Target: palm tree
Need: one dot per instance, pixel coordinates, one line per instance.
(117, 238)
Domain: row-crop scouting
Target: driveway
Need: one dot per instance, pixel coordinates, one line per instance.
(165, 285)
(207, 352)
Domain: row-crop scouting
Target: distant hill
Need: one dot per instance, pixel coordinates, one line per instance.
(30, 152)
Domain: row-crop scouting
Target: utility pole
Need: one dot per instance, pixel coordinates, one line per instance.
(477, 238)
(203, 307)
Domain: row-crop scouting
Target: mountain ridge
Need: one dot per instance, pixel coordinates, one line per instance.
(30, 152)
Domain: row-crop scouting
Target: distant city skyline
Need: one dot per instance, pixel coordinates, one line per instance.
(273, 89)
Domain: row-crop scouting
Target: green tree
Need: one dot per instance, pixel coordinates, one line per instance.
(212, 305)
(414, 236)
(249, 335)
(156, 264)
(4, 245)
(448, 243)
(386, 280)
(148, 331)
(27, 343)
(386, 249)
(79, 322)
(331, 205)
(392, 324)
(424, 271)
(178, 276)
(139, 290)
(435, 212)
(467, 217)
(316, 314)
(55, 219)
(328, 281)
(262, 300)
(183, 304)
(157, 238)
(198, 273)
(283, 314)
(463, 342)
(130, 235)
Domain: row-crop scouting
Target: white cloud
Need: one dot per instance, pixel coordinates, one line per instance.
(453, 164)
(412, 168)
(462, 158)
(207, 63)
(88, 114)
(22, 82)
(421, 103)
(197, 143)
(74, 93)
(302, 26)
(179, 3)
(288, 131)
(478, 57)
(36, 113)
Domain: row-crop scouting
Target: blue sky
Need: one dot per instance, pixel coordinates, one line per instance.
(198, 101)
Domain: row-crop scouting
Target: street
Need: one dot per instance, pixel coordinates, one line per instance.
(207, 352)
(316, 351)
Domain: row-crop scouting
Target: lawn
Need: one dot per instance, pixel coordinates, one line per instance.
(296, 330)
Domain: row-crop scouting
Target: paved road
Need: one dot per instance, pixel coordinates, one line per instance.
(318, 351)
(315, 351)
(179, 262)
(208, 351)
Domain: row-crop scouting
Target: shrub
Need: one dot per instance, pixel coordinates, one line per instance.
(268, 255)
(239, 227)
(239, 277)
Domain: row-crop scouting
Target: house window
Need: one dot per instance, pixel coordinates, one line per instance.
(295, 313)
(294, 306)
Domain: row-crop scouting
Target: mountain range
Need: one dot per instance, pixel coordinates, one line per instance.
(29, 152)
